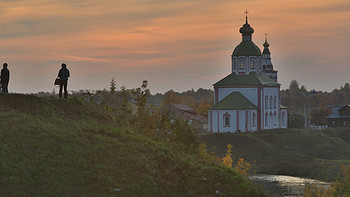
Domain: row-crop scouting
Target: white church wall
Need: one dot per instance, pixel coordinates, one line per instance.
(253, 120)
(241, 120)
(245, 117)
(273, 112)
(272, 109)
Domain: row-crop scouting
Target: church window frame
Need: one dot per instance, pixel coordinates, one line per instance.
(266, 102)
(241, 65)
(266, 119)
(254, 120)
(227, 120)
(252, 65)
(275, 119)
(271, 119)
(274, 102)
(270, 102)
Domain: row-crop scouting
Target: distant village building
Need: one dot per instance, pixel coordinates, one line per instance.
(248, 99)
(186, 112)
(340, 117)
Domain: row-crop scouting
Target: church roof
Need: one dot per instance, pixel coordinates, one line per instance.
(234, 101)
(252, 79)
(246, 48)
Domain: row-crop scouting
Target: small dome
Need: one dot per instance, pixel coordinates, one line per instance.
(266, 44)
(247, 48)
(246, 30)
(266, 51)
(266, 47)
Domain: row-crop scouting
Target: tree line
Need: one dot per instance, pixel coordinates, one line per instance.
(297, 98)
(300, 101)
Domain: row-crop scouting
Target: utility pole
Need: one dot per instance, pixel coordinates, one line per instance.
(309, 126)
(305, 119)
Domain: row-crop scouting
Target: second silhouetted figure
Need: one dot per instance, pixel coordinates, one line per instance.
(5, 78)
(63, 74)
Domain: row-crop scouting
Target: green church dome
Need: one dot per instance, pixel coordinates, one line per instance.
(247, 48)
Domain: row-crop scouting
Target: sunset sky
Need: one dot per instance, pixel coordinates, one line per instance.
(177, 45)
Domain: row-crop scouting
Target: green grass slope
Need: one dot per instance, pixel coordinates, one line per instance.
(51, 147)
(297, 152)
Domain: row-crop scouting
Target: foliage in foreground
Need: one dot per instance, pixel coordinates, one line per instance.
(242, 167)
(51, 147)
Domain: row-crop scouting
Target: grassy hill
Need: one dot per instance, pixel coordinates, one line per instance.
(297, 152)
(51, 147)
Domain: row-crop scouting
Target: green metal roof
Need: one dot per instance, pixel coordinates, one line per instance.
(247, 48)
(234, 101)
(252, 79)
(283, 107)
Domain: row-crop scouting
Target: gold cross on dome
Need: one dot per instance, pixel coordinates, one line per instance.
(246, 13)
(246, 16)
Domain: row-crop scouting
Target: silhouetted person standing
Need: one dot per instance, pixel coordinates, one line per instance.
(5, 78)
(63, 75)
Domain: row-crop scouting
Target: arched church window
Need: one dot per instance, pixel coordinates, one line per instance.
(227, 120)
(242, 65)
(266, 119)
(271, 119)
(252, 64)
(254, 119)
(275, 119)
(270, 102)
(266, 102)
(275, 102)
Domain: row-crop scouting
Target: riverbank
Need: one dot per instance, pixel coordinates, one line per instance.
(280, 185)
(296, 152)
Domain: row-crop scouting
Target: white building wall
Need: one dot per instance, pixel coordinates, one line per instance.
(271, 109)
(273, 121)
(218, 121)
(241, 120)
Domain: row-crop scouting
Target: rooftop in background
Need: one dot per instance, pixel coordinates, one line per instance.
(182, 107)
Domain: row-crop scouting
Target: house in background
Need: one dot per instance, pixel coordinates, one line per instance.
(186, 112)
(340, 117)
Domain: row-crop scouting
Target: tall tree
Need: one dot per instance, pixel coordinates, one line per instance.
(113, 87)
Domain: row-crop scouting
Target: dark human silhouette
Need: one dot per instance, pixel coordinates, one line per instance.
(63, 74)
(5, 78)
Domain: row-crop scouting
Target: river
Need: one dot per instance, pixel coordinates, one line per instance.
(284, 186)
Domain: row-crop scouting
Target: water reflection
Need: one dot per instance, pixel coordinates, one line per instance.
(284, 186)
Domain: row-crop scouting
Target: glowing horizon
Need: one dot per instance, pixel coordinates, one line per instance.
(176, 45)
